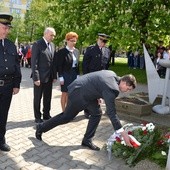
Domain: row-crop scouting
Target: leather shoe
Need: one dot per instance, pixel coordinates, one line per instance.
(38, 133)
(46, 117)
(38, 120)
(90, 145)
(5, 147)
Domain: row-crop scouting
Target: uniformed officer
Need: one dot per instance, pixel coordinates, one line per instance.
(10, 75)
(96, 58)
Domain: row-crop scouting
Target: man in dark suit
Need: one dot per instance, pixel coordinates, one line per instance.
(10, 75)
(43, 73)
(84, 93)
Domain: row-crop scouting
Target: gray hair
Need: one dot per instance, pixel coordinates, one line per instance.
(49, 29)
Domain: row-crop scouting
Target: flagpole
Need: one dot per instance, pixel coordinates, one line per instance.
(16, 42)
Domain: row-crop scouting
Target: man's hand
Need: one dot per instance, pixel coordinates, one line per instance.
(37, 83)
(99, 101)
(15, 90)
(54, 80)
(126, 138)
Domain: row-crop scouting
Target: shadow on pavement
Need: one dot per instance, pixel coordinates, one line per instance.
(53, 156)
(22, 124)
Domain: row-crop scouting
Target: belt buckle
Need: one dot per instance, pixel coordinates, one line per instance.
(2, 82)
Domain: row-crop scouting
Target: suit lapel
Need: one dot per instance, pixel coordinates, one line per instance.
(75, 52)
(52, 50)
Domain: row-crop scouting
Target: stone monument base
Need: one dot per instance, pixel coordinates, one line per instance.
(145, 96)
(133, 106)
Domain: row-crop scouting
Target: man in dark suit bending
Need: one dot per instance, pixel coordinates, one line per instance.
(43, 73)
(84, 93)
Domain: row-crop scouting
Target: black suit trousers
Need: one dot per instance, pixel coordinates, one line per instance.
(74, 106)
(45, 91)
(5, 101)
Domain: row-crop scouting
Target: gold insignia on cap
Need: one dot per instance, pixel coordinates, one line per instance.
(4, 20)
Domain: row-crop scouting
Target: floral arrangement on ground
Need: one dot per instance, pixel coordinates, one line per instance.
(151, 143)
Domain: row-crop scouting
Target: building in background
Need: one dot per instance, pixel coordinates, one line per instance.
(15, 7)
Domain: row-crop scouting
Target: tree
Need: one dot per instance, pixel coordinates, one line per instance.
(129, 22)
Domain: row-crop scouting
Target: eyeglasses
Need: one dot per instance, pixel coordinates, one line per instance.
(104, 41)
(74, 41)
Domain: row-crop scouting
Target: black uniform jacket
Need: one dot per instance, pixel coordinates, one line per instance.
(9, 63)
(92, 60)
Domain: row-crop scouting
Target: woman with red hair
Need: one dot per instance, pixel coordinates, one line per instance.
(68, 65)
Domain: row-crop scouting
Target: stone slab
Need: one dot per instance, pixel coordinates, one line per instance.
(133, 108)
(145, 96)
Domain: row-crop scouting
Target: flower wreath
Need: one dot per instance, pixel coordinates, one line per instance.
(148, 142)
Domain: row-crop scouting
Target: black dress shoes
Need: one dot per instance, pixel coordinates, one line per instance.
(38, 120)
(38, 133)
(90, 145)
(46, 117)
(5, 147)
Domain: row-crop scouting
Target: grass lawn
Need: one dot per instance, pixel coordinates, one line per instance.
(121, 68)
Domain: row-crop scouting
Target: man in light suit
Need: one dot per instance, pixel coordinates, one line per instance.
(43, 73)
(84, 93)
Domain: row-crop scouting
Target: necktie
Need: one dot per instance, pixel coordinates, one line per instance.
(48, 45)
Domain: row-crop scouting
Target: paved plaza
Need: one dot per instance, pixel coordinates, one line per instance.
(61, 147)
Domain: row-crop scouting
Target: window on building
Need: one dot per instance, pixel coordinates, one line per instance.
(17, 2)
(15, 11)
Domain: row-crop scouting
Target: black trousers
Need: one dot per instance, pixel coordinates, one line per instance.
(74, 106)
(5, 101)
(45, 91)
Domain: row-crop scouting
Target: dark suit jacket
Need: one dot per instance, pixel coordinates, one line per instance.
(64, 60)
(42, 62)
(96, 85)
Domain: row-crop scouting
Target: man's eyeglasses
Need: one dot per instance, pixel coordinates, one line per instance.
(104, 41)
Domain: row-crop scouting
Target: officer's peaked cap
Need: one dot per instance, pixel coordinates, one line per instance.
(6, 19)
(104, 36)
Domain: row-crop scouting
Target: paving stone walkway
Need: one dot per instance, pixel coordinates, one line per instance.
(61, 147)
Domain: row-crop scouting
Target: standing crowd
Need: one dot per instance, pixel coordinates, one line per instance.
(24, 53)
(136, 59)
(77, 92)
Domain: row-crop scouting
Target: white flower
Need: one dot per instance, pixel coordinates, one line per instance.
(150, 127)
(168, 140)
(123, 143)
(163, 153)
(144, 128)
